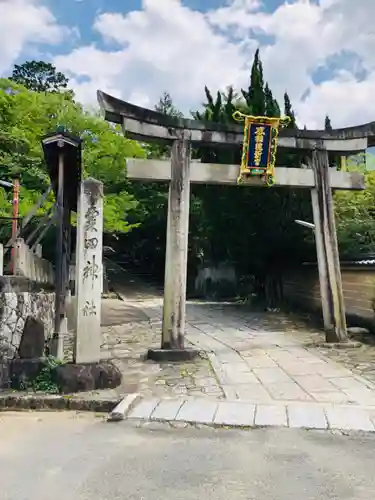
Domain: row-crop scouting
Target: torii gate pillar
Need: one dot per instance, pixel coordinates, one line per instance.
(174, 308)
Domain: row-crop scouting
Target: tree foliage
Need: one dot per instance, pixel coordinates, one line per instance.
(39, 76)
(288, 111)
(355, 211)
(167, 107)
(26, 116)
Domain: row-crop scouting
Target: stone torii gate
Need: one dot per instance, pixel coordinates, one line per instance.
(150, 126)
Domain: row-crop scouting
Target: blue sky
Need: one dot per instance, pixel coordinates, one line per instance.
(82, 13)
(321, 51)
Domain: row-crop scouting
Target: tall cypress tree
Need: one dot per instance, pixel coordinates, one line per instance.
(167, 107)
(254, 95)
(288, 111)
(272, 107)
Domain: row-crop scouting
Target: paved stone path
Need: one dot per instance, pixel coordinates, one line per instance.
(257, 368)
(269, 377)
(127, 333)
(255, 361)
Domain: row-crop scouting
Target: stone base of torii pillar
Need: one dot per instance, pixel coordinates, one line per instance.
(174, 307)
(172, 355)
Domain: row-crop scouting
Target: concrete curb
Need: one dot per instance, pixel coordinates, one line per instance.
(244, 414)
(17, 401)
(156, 424)
(123, 408)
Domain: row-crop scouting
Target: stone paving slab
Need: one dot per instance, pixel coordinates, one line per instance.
(349, 419)
(197, 410)
(307, 416)
(167, 409)
(271, 415)
(314, 383)
(235, 413)
(332, 397)
(254, 393)
(243, 414)
(288, 391)
(271, 375)
(361, 395)
(346, 382)
(144, 409)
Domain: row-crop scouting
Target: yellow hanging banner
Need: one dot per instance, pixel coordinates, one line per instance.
(260, 145)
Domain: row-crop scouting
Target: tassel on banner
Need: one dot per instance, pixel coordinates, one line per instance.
(260, 146)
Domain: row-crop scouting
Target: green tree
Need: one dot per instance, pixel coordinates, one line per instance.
(272, 107)
(288, 111)
(167, 107)
(219, 110)
(254, 95)
(27, 116)
(39, 76)
(212, 109)
(152, 201)
(355, 212)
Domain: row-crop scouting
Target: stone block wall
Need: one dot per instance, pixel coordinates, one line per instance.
(301, 287)
(14, 309)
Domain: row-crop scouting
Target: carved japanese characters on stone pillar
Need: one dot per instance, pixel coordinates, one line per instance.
(89, 271)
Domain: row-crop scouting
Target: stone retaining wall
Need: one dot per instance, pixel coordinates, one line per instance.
(14, 309)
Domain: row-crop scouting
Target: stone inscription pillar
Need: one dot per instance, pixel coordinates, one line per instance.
(89, 272)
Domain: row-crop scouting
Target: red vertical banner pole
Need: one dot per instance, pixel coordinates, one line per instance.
(16, 191)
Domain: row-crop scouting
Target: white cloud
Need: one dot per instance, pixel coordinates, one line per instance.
(167, 46)
(164, 47)
(305, 36)
(347, 100)
(25, 22)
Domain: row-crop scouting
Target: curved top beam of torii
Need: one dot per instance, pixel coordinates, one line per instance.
(150, 126)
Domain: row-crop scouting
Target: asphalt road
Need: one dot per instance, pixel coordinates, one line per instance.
(63, 456)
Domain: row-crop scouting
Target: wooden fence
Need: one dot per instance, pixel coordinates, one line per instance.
(301, 287)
